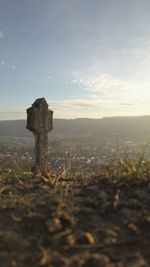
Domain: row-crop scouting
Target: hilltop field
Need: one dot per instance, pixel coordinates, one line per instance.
(72, 220)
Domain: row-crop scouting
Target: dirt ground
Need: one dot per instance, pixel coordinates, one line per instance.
(90, 223)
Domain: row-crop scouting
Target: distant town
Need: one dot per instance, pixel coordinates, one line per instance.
(69, 155)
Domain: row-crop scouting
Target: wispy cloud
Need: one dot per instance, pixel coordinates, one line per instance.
(103, 91)
(12, 113)
(97, 108)
(105, 96)
(103, 83)
(2, 63)
(96, 103)
(77, 103)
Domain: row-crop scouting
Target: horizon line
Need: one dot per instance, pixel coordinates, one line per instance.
(86, 118)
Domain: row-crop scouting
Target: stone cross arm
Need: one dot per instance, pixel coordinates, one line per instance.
(39, 117)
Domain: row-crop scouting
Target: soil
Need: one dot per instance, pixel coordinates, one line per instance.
(91, 222)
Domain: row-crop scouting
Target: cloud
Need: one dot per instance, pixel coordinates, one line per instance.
(13, 67)
(1, 34)
(103, 95)
(126, 104)
(77, 103)
(97, 104)
(13, 113)
(2, 63)
(96, 108)
(103, 83)
(100, 84)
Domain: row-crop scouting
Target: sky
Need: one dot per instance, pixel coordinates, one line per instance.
(88, 58)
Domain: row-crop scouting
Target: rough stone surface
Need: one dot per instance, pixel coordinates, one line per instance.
(39, 122)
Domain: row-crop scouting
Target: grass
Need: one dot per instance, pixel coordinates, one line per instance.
(64, 182)
(118, 166)
(126, 166)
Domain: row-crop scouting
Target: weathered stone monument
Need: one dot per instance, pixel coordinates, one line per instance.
(40, 122)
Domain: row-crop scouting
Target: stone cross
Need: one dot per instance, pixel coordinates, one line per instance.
(40, 122)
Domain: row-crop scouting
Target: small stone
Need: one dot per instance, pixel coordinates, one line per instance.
(86, 238)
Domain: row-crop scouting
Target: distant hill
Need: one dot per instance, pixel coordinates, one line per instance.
(129, 128)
